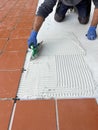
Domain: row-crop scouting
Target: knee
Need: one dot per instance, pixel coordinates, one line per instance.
(59, 18)
(83, 20)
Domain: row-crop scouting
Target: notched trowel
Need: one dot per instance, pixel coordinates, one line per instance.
(35, 50)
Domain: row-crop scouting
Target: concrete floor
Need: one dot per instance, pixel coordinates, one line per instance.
(62, 39)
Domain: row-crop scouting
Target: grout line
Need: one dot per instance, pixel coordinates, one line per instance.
(6, 99)
(12, 117)
(57, 116)
(10, 70)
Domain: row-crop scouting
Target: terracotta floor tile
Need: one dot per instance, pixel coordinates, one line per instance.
(10, 22)
(1, 16)
(9, 83)
(25, 25)
(2, 43)
(12, 60)
(28, 11)
(16, 12)
(30, 18)
(21, 33)
(16, 45)
(78, 114)
(2, 26)
(8, 4)
(2, 2)
(4, 33)
(35, 115)
(28, 14)
(29, 4)
(5, 113)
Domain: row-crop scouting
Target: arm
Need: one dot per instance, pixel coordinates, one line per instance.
(43, 11)
(95, 18)
(91, 34)
(38, 23)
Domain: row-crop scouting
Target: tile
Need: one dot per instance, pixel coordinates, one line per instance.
(5, 113)
(2, 27)
(9, 82)
(4, 33)
(79, 114)
(25, 25)
(16, 12)
(20, 33)
(35, 115)
(25, 17)
(16, 45)
(10, 22)
(12, 60)
(28, 14)
(9, 5)
(1, 16)
(2, 43)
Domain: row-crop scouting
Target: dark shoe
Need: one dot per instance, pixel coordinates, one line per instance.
(58, 17)
(83, 20)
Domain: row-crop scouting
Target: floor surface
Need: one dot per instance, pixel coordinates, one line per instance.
(16, 19)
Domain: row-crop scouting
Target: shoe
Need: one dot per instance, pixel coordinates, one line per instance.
(83, 20)
(58, 17)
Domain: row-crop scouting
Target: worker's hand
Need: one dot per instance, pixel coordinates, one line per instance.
(91, 34)
(32, 39)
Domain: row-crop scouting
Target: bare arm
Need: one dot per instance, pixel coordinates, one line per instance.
(95, 18)
(43, 11)
(38, 23)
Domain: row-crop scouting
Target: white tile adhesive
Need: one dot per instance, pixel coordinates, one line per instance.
(59, 72)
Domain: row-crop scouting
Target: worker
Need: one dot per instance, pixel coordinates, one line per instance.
(83, 8)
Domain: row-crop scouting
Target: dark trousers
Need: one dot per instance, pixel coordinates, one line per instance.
(83, 8)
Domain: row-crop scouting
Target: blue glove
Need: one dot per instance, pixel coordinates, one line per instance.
(91, 34)
(32, 39)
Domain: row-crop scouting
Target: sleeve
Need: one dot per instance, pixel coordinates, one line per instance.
(46, 8)
(95, 3)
